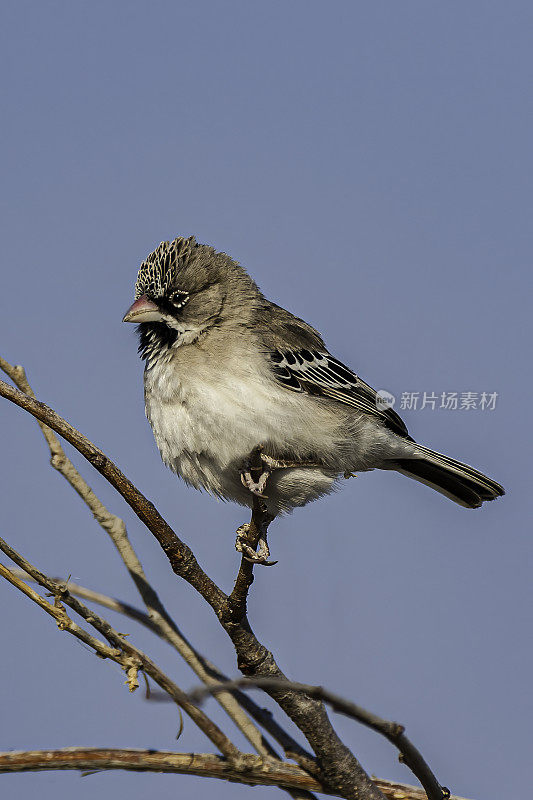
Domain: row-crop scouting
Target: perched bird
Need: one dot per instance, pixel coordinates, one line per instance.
(227, 371)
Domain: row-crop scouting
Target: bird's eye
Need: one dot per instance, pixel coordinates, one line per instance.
(178, 298)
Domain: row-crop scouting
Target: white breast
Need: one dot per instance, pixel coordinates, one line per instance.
(207, 416)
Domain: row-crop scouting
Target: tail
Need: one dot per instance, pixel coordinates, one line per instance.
(461, 483)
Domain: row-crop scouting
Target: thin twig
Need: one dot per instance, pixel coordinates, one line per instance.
(64, 622)
(236, 609)
(163, 624)
(121, 651)
(341, 769)
(112, 603)
(393, 731)
(236, 604)
(180, 556)
(263, 716)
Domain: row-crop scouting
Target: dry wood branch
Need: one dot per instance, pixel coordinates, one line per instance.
(163, 624)
(393, 731)
(236, 604)
(255, 771)
(120, 606)
(121, 651)
(160, 620)
(62, 619)
(180, 556)
(252, 770)
(236, 610)
(291, 748)
(341, 771)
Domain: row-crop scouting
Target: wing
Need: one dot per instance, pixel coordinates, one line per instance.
(319, 373)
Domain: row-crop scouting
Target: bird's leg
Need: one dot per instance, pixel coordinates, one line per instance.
(251, 538)
(255, 487)
(255, 472)
(258, 466)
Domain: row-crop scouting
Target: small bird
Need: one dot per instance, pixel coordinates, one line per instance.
(229, 373)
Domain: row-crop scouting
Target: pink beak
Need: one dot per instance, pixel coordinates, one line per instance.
(143, 310)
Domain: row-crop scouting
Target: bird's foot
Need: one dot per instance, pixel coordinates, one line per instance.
(262, 466)
(255, 487)
(259, 464)
(242, 545)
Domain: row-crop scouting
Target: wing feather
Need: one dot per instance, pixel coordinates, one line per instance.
(319, 373)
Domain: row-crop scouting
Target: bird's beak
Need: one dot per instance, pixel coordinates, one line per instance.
(143, 310)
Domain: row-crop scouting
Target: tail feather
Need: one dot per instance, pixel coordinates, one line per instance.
(460, 482)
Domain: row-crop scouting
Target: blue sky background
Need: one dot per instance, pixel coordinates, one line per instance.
(370, 164)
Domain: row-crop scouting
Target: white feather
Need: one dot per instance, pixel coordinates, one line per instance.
(208, 412)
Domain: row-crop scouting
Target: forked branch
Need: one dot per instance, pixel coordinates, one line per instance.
(393, 731)
(161, 621)
(339, 771)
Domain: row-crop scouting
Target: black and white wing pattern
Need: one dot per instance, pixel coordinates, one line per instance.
(319, 373)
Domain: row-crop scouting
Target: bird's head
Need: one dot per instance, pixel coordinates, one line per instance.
(184, 288)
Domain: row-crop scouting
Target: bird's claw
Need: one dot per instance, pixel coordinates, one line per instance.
(248, 553)
(259, 557)
(268, 464)
(255, 487)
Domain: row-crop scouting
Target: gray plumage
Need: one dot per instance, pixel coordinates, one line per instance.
(227, 370)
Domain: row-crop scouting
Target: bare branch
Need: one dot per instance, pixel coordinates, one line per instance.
(393, 731)
(235, 610)
(64, 623)
(180, 556)
(341, 770)
(122, 651)
(264, 717)
(120, 606)
(163, 624)
(254, 770)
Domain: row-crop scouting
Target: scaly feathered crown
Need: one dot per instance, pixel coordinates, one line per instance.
(158, 272)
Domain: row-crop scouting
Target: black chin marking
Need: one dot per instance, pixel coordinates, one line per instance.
(155, 338)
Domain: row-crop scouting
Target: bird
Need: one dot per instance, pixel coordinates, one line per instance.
(229, 374)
